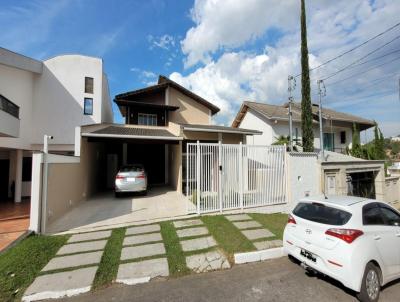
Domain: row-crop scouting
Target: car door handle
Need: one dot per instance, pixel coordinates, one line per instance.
(377, 237)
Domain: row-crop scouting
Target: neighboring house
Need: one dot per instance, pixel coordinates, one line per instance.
(395, 138)
(159, 121)
(45, 97)
(273, 121)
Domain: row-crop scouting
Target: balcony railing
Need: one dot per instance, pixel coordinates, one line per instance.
(7, 106)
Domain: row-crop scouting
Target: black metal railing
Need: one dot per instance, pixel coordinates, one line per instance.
(7, 106)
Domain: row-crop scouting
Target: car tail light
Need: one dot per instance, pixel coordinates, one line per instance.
(348, 235)
(141, 175)
(291, 219)
(119, 176)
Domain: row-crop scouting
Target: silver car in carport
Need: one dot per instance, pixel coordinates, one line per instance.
(131, 178)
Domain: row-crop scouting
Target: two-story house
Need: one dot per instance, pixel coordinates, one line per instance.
(159, 121)
(49, 97)
(273, 121)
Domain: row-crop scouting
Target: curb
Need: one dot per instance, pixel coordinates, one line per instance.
(256, 256)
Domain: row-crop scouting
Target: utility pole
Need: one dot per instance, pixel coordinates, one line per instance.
(321, 92)
(291, 86)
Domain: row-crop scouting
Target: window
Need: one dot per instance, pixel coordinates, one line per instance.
(390, 217)
(88, 106)
(147, 119)
(342, 137)
(372, 214)
(88, 85)
(322, 214)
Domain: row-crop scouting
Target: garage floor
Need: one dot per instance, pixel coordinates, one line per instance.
(105, 211)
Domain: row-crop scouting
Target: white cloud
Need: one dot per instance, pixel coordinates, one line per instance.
(231, 23)
(165, 42)
(333, 27)
(146, 76)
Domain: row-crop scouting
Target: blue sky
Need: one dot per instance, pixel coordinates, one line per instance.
(226, 51)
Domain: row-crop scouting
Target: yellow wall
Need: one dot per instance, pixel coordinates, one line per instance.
(189, 112)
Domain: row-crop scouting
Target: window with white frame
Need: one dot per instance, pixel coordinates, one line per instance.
(147, 119)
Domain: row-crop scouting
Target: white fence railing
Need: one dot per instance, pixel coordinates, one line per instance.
(225, 177)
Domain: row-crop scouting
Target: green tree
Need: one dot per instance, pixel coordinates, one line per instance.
(356, 148)
(306, 107)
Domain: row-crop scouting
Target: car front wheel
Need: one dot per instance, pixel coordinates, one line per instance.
(371, 286)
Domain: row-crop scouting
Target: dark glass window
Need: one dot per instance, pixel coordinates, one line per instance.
(390, 217)
(372, 214)
(88, 85)
(342, 137)
(27, 169)
(88, 106)
(321, 213)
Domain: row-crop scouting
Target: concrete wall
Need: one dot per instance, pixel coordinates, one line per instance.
(189, 112)
(304, 173)
(392, 189)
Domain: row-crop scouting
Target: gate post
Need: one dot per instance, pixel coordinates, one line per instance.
(220, 175)
(198, 177)
(241, 175)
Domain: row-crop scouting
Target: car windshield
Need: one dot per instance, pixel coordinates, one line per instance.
(321, 213)
(131, 168)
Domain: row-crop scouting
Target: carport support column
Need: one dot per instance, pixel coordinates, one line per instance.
(124, 153)
(18, 175)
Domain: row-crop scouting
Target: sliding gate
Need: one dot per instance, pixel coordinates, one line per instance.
(225, 177)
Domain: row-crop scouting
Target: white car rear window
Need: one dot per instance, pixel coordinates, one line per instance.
(321, 213)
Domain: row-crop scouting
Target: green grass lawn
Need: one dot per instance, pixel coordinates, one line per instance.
(108, 267)
(274, 222)
(21, 264)
(229, 238)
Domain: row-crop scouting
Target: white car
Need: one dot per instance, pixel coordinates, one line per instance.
(351, 239)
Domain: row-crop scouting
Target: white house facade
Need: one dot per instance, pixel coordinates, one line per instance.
(45, 97)
(273, 121)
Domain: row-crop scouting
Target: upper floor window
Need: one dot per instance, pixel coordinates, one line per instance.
(147, 119)
(88, 106)
(88, 85)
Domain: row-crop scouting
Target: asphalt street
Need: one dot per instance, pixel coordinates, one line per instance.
(274, 280)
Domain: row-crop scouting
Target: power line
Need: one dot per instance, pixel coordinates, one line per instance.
(352, 49)
(360, 59)
(362, 72)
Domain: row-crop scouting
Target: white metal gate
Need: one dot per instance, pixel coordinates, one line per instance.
(223, 176)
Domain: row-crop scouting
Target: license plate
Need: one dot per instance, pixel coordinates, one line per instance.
(308, 255)
(130, 179)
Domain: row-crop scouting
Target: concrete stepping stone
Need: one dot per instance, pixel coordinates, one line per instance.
(257, 234)
(89, 236)
(247, 224)
(197, 231)
(187, 223)
(238, 217)
(198, 244)
(138, 239)
(143, 271)
(82, 247)
(73, 261)
(264, 245)
(143, 229)
(133, 252)
(210, 261)
(59, 285)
